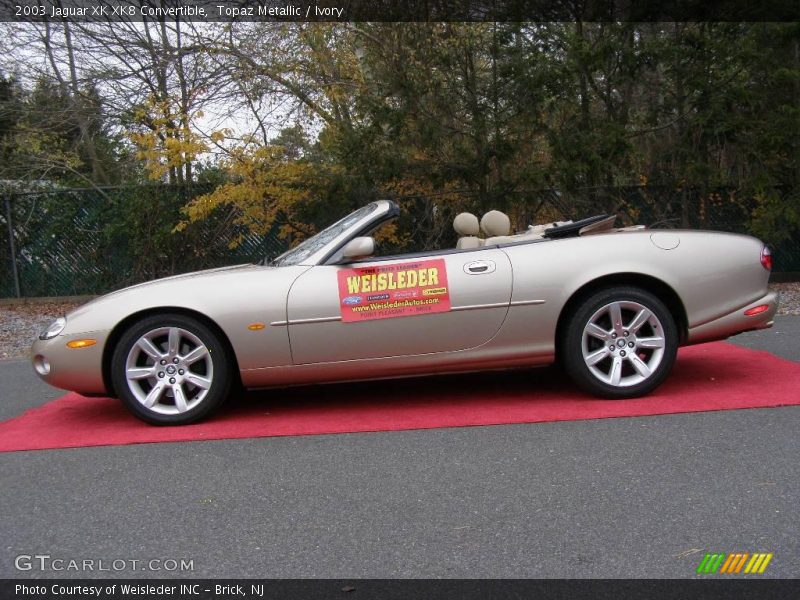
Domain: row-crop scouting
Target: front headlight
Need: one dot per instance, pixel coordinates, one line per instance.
(55, 328)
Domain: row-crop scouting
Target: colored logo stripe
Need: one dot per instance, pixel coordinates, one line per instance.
(710, 563)
(733, 563)
(758, 563)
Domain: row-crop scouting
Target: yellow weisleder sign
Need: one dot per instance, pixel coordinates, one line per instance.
(381, 282)
(384, 291)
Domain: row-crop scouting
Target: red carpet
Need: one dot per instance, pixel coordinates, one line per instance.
(717, 376)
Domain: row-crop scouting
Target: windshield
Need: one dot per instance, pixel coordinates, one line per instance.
(312, 245)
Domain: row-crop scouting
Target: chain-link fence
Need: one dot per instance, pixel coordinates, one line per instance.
(73, 242)
(90, 241)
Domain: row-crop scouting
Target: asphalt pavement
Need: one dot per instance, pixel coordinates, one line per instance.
(21, 389)
(629, 497)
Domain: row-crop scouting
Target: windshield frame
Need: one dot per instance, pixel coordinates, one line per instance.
(321, 246)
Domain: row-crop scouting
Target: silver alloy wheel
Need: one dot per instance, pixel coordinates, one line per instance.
(623, 343)
(169, 370)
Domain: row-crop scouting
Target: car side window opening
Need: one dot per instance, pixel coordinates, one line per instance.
(387, 252)
(382, 252)
(385, 249)
(495, 227)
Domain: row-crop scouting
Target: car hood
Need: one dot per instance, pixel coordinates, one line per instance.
(196, 276)
(208, 273)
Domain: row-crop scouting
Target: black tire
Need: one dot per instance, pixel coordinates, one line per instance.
(571, 344)
(214, 366)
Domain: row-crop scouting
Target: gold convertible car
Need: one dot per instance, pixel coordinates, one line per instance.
(612, 305)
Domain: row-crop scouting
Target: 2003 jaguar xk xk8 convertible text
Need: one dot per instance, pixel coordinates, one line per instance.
(611, 304)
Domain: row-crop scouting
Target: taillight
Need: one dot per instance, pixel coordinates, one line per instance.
(766, 258)
(756, 310)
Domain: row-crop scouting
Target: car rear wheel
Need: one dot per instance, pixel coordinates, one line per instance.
(171, 370)
(620, 342)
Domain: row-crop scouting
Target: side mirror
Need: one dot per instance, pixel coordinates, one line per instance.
(359, 248)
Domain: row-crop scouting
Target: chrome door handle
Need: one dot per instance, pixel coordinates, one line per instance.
(479, 267)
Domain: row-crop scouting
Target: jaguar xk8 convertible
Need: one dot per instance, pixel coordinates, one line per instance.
(612, 305)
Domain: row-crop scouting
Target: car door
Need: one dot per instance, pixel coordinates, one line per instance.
(398, 306)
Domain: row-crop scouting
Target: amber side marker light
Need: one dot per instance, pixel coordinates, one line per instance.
(256, 326)
(81, 343)
(756, 310)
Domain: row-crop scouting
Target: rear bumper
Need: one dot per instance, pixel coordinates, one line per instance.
(736, 321)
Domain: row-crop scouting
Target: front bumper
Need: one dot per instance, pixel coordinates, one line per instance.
(75, 369)
(737, 321)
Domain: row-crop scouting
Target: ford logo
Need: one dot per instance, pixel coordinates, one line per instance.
(351, 300)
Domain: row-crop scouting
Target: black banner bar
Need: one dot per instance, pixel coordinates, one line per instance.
(427, 589)
(399, 10)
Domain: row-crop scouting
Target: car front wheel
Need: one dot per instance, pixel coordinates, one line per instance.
(620, 343)
(170, 370)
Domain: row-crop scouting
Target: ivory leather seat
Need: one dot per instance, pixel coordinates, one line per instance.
(497, 228)
(467, 227)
